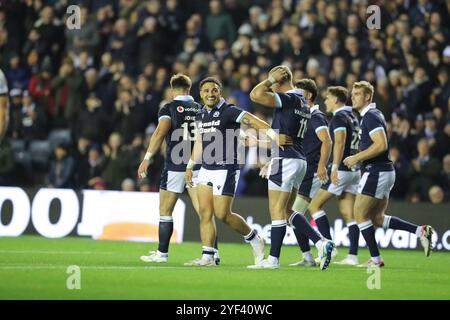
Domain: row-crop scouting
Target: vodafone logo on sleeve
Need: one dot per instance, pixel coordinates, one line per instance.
(180, 109)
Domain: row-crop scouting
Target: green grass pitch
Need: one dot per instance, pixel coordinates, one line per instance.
(33, 267)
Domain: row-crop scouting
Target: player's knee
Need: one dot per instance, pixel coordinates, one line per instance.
(222, 215)
(378, 220)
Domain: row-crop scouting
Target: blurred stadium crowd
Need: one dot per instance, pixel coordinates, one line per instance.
(84, 102)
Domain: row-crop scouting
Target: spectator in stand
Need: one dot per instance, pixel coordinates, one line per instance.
(90, 168)
(219, 24)
(61, 169)
(423, 171)
(116, 167)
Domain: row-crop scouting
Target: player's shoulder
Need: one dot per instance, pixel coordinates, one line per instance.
(374, 114)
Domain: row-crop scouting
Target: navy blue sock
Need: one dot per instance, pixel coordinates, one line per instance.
(303, 226)
(216, 246)
(368, 232)
(353, 235)
(398, 224)
(322, 223)
(165, 232)
(302, 240)
(277, 233)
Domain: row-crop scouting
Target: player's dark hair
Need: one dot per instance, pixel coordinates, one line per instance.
(210, 79)
(180, 81)
(308, 85)
(339, 92)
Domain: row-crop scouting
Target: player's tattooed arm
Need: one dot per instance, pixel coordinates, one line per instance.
(258, 124)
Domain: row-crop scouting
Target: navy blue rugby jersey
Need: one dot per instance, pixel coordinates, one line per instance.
(291, 118)
(219, 129)
(181, 136)
(345, 120)
(312, 143)
(373, 121)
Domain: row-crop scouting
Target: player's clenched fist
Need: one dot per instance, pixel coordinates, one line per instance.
(351, 161)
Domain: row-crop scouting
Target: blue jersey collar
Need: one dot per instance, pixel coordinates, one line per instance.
(314, 108)
(295, 90)
(370, 106)
(218, 105)
(344, 108)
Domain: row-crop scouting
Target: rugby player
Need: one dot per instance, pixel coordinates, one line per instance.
(378, 177)
(287, 167)
(317, 146)
(176, 123)
(216, 146)
(344, 129)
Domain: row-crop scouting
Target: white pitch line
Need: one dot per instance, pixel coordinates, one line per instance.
(86, 267)
(56, 252)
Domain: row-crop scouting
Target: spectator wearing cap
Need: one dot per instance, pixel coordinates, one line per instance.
(219, 24)
(423, 171)
(61, 168)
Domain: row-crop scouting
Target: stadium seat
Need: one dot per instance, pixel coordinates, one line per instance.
(40, 151)
(58, 136)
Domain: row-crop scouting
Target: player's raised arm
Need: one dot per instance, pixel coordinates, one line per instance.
(156, 140)
(262, 92)
(379, 145)
(256, 123)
